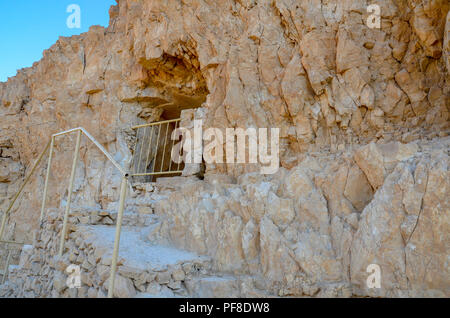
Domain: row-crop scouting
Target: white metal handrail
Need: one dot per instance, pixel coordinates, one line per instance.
(5, 271)
(99, 146)
(123, 192)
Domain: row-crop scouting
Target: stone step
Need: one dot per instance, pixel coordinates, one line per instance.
(143, 267)
(159, 271)
(135, 251)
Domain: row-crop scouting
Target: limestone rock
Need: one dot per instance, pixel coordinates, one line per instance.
(123, 287)
(370, 160)
(389, 237)
(377, 160)
(364, 122)
(357, 189)
(446, 45)
(318, 58)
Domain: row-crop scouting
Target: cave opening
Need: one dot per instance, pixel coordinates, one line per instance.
(179, 86)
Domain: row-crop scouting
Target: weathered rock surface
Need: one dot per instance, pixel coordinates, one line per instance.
(364, 152)
(400, 230)
(299, 229)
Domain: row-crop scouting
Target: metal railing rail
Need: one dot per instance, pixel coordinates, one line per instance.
(146, 161)
(123, 192)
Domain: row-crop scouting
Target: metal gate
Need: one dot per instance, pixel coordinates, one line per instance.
(152, 156)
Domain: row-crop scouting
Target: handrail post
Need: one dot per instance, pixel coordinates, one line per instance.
(8, 259)
(16, 196)
(44, 196)
(112, 276)
(2, 227)
(69, 196)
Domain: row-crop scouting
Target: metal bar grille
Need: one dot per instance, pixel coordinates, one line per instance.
(9, 256)
(152, 152)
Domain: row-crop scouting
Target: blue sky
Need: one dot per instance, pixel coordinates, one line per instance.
(28, 27)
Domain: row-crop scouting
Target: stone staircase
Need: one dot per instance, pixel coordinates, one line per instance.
(145, 269)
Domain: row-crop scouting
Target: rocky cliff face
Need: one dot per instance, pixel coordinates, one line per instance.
(363, 113)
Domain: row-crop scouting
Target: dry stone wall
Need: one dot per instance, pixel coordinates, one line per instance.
(364, 119)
